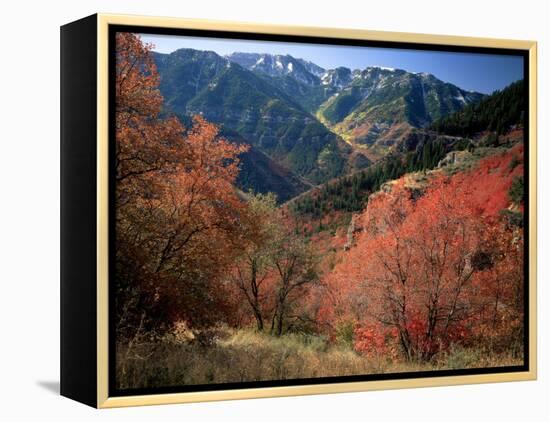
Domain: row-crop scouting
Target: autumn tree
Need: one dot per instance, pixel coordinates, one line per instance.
(252, 269)
(421, 277)
(178, 218)
(435, 266)
(499, 290)
(426, 282)
(295, 266)
(277, 267)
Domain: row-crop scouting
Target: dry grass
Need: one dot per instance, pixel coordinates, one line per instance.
(246, 355)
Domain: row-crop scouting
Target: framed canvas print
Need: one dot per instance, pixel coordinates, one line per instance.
(255, 211)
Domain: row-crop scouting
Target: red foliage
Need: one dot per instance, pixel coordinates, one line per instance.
(433, 270)
(373, 341)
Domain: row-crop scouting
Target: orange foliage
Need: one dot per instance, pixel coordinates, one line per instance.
(177, 215)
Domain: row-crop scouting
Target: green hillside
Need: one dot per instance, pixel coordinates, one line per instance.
(261, 113)
(496, 112)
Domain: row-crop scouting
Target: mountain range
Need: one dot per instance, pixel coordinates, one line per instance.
(305, 124)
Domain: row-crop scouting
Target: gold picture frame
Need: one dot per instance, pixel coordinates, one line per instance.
(100, 340)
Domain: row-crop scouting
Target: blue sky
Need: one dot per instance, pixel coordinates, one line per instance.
(477, 72)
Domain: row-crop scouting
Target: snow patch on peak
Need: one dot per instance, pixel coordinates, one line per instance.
(389, 69)
(460, 98)
(424, 75)
(290, 67)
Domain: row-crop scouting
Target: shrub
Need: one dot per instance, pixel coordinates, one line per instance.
(345, 334)
(459, 357)
(517, 190)
(514, 162)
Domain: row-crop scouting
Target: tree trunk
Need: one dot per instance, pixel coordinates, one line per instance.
(280, 324)
(259, 320)
(277, 320)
